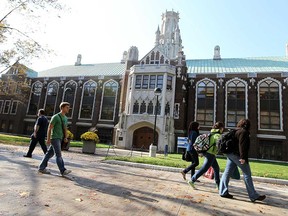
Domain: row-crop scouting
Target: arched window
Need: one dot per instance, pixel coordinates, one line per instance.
(205, 109)
(109, 97)
(88, 99)
(34, 99)
(136, 107)
(270, 113)
(150, 108)
(69, 95)
(143, 107)
(157, 108)
(51, 98)
(235, 102)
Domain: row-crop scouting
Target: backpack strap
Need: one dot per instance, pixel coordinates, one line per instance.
(63, 130)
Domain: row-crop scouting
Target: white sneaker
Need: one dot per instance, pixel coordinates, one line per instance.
(66, 172)
(45, 171)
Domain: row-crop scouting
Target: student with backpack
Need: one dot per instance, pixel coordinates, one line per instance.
(193, 133)
(210, 155)
(239, 157)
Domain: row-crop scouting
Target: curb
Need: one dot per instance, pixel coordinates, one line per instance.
(174, 169)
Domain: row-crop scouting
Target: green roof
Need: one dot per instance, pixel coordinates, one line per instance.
(103, 69)
(238, 65)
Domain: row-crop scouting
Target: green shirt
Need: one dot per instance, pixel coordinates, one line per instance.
(57, 130)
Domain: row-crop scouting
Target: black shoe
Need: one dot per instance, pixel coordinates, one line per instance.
(260, 198)
(229, 196)
(28, 156)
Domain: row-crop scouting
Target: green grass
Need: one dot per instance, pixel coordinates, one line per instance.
(259, 168)
(24, 141)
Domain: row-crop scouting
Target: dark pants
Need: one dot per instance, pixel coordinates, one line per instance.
(194, 163)
(33, 143)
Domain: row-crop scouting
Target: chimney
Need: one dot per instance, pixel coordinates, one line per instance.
(78, 62)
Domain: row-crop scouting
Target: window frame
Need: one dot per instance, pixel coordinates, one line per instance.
(94, 99)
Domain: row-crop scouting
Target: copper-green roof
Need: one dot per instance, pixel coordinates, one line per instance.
(105, 69)
(238, 65)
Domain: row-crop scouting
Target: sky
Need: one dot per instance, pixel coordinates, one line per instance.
(102, 30)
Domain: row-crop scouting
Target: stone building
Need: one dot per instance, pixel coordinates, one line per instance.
(119, 100)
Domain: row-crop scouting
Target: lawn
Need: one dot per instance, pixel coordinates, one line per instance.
(259, 168)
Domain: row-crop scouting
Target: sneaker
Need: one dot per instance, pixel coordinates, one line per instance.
(183, 175)
(260, 198)
(28, 156)
(191, 183)
(45, 171)
(66, 172)
(229, 196)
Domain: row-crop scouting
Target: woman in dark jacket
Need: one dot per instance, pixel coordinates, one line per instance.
(193, 133)
(240, 158)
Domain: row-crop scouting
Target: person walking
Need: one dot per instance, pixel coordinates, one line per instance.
(193, 133)
(240, 158)
(210, 156)
(39, 134)
(55, 134)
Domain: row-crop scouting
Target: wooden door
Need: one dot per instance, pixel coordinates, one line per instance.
(143, 138)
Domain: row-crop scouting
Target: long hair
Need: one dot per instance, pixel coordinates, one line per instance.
(193, 126)
(244, 123)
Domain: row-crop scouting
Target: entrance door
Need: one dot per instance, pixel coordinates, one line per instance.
(143, 137)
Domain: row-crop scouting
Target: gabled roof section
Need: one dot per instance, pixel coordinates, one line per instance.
(238, 65)
(103, 69)
(155, 56)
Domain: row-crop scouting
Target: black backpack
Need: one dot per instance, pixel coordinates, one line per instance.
(227, 142)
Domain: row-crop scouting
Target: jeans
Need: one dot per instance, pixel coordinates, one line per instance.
(210, 160)
(194, 163)
(232, 163)
(54, 147)
(33, 143)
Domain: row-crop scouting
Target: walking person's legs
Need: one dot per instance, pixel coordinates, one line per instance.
(43, 145)
(216, 169)
(44, 162)
(32, 145)
(209, 159)
(56, 143)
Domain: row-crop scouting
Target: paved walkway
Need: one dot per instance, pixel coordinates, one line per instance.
(99, 188)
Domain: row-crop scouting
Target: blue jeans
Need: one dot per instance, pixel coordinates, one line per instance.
(54, 147)
(232, 163)
(210, 160)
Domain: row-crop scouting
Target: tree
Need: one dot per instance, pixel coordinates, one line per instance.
(17, 44)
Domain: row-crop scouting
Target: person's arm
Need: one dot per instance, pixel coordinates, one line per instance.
(50, 127)
(243, 146)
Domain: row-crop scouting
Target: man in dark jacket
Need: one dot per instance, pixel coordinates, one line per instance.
(39, 134)
(240, 158)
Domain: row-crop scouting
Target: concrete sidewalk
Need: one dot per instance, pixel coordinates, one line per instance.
(98, 188)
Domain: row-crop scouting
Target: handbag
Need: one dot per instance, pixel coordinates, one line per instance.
(63, 143)
(186, 156)
(210, 173)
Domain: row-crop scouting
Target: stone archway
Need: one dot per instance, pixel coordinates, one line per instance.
(143, 137)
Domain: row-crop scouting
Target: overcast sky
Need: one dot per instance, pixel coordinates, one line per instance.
(102, 30)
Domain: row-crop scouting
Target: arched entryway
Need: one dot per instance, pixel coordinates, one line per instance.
(143, 137)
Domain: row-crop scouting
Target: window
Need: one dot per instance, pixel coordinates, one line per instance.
(205, 109)
(167, 109)
(270, 149)
(157, 108)
(143, 107)
(152, 82)
(1, 105)
(109, 100)
(145, 82)
(269, 104)
(169, 82)
(138, 81)
(150, 108)
(34, 99)
(88, 99)
(14, 107)
(235, 102)
(160, 81)
(51, 98)
(69, 95)
(6, 107)
(136, 107)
